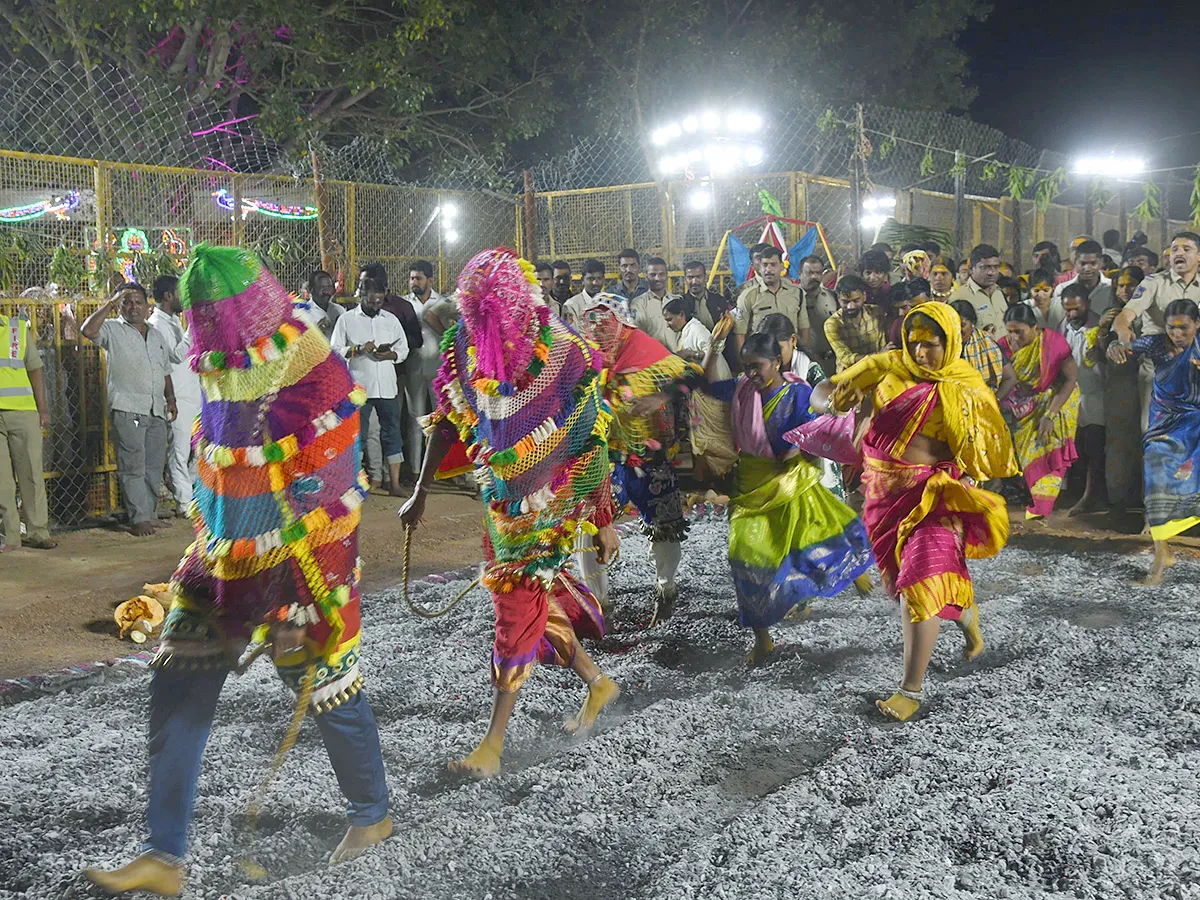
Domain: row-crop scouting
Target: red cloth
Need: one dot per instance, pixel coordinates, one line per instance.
(637, 351)
(533, 625)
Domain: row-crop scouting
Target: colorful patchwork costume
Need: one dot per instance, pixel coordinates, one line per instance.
(522, 391)
(643, 447)
(276, 514)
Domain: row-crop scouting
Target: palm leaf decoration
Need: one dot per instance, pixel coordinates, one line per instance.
(896, 234)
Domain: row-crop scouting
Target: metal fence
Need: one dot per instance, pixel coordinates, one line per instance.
(73, 223)
(665, 219)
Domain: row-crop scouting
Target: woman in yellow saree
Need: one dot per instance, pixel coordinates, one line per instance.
(935, 432)
(1044, 405)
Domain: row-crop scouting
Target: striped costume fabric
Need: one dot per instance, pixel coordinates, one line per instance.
(279, 481)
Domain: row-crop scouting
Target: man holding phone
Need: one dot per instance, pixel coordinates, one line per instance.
(372, 340)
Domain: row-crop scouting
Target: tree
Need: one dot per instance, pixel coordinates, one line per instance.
(443, 81)
(433, 77)
(638, 61)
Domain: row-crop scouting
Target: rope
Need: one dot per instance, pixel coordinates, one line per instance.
(419, 610)
(433, 614)
(247, 863)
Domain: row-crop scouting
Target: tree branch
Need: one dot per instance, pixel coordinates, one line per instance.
(43, 50)
(190, 38)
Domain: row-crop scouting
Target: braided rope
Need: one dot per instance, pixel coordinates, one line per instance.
(247, 863)
(434, 614)
(419, 610)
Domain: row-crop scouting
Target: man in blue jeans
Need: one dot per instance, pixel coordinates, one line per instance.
(372, 340)
(276, 512)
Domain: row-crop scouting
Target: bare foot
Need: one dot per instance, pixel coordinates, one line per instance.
(142, 529)
(763, 647)
(665, 599)
(898, 707)
(359, 839)
(600, 693)
(482, 762)
(969, 625)
(798, 613)
(7, 548)
(863, 584)
(1083, 507)
(146, 873)
(1163, 560)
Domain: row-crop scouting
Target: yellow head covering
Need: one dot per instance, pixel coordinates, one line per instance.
(975, 429)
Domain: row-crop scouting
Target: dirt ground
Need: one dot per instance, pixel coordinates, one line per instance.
(56, 607)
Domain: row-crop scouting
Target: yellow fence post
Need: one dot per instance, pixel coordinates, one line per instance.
(668, 222)
(239, 225)
(629, 214)
(519, 232)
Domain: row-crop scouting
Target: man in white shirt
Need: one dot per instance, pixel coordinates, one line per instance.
(373, 342)
(167, 317)
(593, 284)
(421, 367)
(1098, 293)
(320, 291)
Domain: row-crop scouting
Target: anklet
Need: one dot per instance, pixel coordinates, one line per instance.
(911, 695)
(596, 680)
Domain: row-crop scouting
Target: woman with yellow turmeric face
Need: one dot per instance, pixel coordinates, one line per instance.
(941, 279)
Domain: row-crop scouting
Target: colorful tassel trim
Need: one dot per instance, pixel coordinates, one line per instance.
(264, 350)
(221, 457)
(541, 353)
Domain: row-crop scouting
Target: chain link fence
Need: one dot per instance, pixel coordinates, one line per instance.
(68, 226)
(190, 170)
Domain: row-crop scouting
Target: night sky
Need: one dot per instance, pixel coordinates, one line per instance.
(1121, 76)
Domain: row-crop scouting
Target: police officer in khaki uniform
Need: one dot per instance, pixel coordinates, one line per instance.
(774, 295)
(23, 415)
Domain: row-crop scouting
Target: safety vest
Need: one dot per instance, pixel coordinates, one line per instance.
(15, 390)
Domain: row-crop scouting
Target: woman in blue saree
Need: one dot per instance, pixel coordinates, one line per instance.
(1171, 445)
(790, 539)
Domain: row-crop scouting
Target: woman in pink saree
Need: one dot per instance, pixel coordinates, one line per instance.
(935, 432)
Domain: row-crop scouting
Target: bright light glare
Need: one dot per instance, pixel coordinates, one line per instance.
(691, 124)
(668, 165)
(700, 199)
(879, 203)
(451, 236)
(658, 137)
(1109, 166)
(448, 210)
(753, 155)
(874, 220)
(711, 120)
(720, 158)
(744, 122)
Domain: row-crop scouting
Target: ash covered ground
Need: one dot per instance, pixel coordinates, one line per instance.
(1063, 762)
